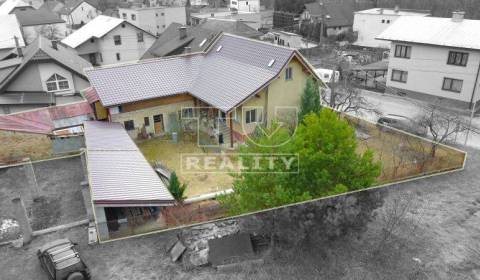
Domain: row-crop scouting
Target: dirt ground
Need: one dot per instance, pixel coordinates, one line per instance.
(169, 154)
(60, 198)
(436, 238)
(18, 145)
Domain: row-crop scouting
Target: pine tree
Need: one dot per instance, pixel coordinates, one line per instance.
(176, 189)
(310, 102)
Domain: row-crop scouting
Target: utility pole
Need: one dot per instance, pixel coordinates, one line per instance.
(17, 45)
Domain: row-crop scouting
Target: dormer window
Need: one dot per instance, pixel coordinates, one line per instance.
(56, 83)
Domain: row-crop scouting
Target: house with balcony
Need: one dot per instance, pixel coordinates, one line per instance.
(230, 88)
(154, 19)
(42, 74)
(108, 40)
(435, 59)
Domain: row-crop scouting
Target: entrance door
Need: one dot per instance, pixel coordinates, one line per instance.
(158, 124)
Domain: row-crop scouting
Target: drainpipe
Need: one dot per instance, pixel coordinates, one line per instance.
(473, 105)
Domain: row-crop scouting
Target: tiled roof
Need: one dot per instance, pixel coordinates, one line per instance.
(221, 78)
(118, 172)
(42, 120)
(435, 31)
(37, 17)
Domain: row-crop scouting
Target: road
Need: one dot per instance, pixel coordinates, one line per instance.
(391, 104)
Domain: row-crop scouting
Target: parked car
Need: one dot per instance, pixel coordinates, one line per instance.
(403, 123)
(61, 261)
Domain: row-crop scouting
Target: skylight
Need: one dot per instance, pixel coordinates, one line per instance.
(270, 64)
(219, 48)
(203, 42)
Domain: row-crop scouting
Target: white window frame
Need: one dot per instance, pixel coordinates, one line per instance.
(258, 115)
(57, 81)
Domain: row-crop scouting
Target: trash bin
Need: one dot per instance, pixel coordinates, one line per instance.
(175, 137)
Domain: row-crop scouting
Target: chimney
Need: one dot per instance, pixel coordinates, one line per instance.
(54, 44)
(212, 15)
(396, 9)
(17, 45)
(183, 32)
(188, 50)
(457, 16)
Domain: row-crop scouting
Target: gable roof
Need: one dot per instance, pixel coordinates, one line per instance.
(170, 43)
(337, 13)
(38, 50)
(118, 172)
(9, 5)
(434, 31)
(233, 69)
(37, 17)
(96, 28)
(10, 27)
(71, 5)
(42, 121)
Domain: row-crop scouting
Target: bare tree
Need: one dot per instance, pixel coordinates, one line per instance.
(51, 32)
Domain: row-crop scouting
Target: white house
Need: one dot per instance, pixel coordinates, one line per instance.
(292, 40)
(154, 19)
(78, 12)
(107, 40)
(245, 5)
(435, 58)
(370, 23)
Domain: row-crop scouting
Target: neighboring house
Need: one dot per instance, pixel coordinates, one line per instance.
(256, 20)
(245, 5)
(10, 29)
(289, 39)
(10, 6)
(153, 19)
(41, 22)
(53, 6)
(243, 82)
(107, 40)
(79, 12)
(42, 74)
(435, 58)
(370, 23)
(334, 17)
(179, 39)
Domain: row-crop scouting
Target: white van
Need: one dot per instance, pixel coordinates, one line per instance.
(326, 75)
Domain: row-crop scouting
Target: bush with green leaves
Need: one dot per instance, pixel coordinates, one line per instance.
(310, 102)
(176, 189)
(328, 164)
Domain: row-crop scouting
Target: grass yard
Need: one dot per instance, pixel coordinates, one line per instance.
(169, 154)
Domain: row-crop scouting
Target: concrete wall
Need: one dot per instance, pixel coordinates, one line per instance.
(62, 145)
(129, 50)
(427, 67)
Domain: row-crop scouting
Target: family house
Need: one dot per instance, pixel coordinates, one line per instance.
(333, 17)
(107, 40)
(42, 74)
(78, 12)
(245, 5)
(370, 23)
(240, 81)
(154, 19)
(435, 58)
(179, 39)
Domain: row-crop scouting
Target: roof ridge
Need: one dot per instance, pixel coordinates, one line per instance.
(258, 41)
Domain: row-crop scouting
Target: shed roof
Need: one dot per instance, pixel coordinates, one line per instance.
(232, 70)
(435, 31)
(119, 174)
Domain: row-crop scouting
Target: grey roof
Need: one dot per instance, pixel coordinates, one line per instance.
(337, 13)
(38, 50)
(119, 174)
(37, 17)
(169, 43)
(222, 78)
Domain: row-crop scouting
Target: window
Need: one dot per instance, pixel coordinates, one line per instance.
(118, 56)
(399, 76)
(124, 15)
(403, 51)
(117, 40)
(92, 40)
(162, 14)
(123, 25)
(57, 82)
(452, 85)
(146, 121)
(156, 14)
(129, 125)
(457, 58)
(163, 26)
(289, 73)
(253, 116)
(383, 21)
(281, 42)
(140, 37)
(388, 21)
(187, 113)
(134, 17)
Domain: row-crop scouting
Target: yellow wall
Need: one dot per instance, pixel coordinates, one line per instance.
(280, 92)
